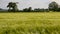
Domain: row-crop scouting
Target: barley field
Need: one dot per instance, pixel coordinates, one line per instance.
(30, 23)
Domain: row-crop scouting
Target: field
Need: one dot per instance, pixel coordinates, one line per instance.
(30, 23)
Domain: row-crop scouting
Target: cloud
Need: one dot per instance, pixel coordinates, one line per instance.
(26, 3)
(33, 3)
(58, 1)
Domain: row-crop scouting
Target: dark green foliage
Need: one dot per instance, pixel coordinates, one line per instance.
(53, 6)
(27, 9)
(37, 10)
(30, 9)
(40, 10)
(58, 10)
(12, 6)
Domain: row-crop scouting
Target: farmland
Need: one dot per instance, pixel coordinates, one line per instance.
(30, 23)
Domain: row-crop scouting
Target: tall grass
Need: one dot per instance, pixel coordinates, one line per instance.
(30, 23)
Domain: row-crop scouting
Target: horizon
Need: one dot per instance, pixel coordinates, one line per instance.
(27, 3)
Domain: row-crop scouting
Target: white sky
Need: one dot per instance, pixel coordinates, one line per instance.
(58, 1)
(28, 3)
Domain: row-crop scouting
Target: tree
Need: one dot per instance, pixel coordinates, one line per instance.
(12, 6)
(25, 10)
(37, 9)
(29, 9)
(53, 6)
(58, 8)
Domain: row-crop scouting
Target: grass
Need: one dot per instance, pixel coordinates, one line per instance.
(30, 23)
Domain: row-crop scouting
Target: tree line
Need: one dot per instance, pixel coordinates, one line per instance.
(53, 6)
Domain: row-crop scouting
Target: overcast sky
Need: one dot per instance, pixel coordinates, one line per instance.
(28, 3)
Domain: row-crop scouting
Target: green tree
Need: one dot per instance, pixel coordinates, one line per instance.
(25, 10)
(53, 6)
(37, 9)
(29, 9)
(12, 6)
